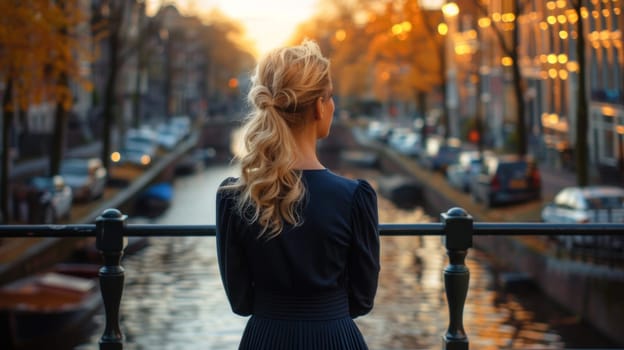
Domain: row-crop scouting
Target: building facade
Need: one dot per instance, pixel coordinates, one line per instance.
(547, 54)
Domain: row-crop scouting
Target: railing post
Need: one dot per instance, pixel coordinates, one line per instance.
(109, 241)
(458, 238)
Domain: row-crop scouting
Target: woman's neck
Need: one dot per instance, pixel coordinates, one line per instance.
(306, 150)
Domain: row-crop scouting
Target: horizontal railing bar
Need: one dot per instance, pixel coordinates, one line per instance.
(423, 229)
(147, 230)
(83, 230)
(545, 229)
(426, 229)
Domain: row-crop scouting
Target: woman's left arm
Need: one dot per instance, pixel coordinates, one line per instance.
(363, 265)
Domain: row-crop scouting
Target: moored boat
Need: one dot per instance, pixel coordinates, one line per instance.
(154, 200)
(53, 309)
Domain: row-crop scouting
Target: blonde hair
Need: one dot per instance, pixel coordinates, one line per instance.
(285, 87)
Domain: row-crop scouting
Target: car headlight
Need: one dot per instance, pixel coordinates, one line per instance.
(115, 157)
(145, 159)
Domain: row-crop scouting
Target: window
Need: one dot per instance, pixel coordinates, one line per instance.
(593, 71)
(608, 144)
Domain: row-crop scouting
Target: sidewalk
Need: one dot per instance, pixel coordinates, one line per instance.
(38, 165)
(554, 179)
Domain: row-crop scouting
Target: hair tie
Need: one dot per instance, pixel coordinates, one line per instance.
(267, 104)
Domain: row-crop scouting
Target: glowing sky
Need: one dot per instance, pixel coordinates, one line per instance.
(268, 23)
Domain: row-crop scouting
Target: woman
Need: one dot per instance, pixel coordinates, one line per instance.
(298, 246)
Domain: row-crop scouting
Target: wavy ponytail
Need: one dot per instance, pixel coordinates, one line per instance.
(285, 85)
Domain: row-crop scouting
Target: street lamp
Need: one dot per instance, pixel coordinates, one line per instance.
(450, 10)
(340, 35)
(431, 4)
(442, 29)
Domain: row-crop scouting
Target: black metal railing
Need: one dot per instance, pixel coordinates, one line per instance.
(456, 226)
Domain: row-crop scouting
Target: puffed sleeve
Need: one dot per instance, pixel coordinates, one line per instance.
(363, 265)
(233, 266)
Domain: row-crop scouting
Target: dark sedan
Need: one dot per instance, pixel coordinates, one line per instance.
(506, 179)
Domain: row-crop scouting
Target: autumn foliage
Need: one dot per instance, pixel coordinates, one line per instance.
(383, 51)
(40, 51)
(39, 42)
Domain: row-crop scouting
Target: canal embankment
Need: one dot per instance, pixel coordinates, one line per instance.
(591, 291)
(23, 256)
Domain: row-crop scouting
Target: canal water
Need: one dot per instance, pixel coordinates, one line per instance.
(173, 298)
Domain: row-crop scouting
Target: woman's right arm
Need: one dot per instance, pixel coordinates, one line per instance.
(233, 266)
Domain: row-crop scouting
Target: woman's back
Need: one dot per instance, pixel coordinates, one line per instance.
(311, 257)
(326, 269)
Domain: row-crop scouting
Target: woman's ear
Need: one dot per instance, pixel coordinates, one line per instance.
(320, 108)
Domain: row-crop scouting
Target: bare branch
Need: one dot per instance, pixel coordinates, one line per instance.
(507, 49)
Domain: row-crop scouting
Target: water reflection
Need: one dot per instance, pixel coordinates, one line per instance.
(173, 298)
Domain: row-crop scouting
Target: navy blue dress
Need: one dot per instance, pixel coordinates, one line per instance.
(304, 287)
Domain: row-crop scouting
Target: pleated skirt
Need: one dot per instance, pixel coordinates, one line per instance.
(320, 322)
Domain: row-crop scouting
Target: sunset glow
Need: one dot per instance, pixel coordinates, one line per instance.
(268, 23)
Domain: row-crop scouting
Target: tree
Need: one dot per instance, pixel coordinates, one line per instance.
(341, 39)
(378, 49)
(224, 56)
(510, 47)
(398, 51)
(108, 19)
(582, 115)
(110, 22)
(438, 42)
(142, 56)
(38, 58)
(64, 67)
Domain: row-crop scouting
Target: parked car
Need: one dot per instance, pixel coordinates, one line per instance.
(133, 154)
(506, 179)
(42, 200)
(143, 138)
(182, 123)
(590, 204)
(439, 154)
(85, 176)
(600, 203)
(168, 137)
(397, 135)
(468, 165)
(407, 143)
(140, 148)
(378, 130)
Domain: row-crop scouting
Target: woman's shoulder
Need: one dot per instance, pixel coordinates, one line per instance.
(228, 185)
(352, 185)
(228, 181)
(363, 191)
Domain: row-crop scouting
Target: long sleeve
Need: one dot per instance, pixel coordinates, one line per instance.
(363, 265)
(233, 265)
